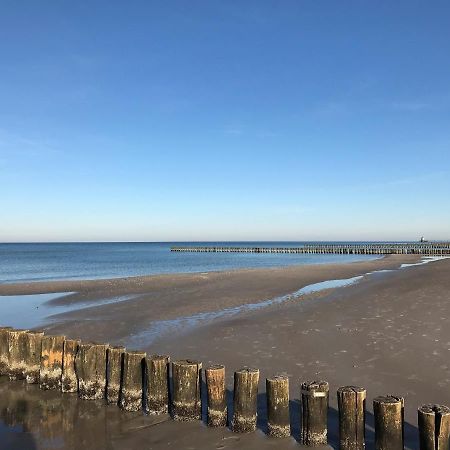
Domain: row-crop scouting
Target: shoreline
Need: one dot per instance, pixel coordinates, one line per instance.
(25, 287)
(75, 280)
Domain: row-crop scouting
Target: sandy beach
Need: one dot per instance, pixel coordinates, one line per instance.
(387, 332)
(113, 310)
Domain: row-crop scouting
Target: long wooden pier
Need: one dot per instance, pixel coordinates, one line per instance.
(423, 248)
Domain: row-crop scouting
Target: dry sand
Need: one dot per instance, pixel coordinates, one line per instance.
(388, 333)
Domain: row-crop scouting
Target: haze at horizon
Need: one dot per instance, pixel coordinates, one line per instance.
(214, 120)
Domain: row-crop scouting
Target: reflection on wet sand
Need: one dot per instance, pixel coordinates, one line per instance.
(31, 418)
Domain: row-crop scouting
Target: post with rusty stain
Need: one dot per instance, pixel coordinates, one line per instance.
(16, 356)
(186, 392)
(434, 427)
(90, 364)
(51, 362)
(132, 381)
(114, 367)
(217, 401)
(69, 382)
(278, 419)
(351, 405)
(157, 381)
(388, 414)
(245, 400)
(4, 350)
(315, 396)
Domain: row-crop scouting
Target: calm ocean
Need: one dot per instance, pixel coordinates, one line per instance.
(34, 262)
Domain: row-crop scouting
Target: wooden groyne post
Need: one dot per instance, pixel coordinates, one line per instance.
(352, 406)
(91, 371)
(217, 411)
(16, 354)
(31, 348)
(278, 418)
(114, 368)
(315, 396)
(388, 414)
(51, 367)
(132, 381)
(186, 392)
(157, 374)
(434, 427)
(69, 381)
(245, 400)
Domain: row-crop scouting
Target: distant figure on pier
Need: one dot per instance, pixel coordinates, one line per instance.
(422, 239)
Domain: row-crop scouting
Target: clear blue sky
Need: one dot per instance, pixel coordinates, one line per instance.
(230, 120)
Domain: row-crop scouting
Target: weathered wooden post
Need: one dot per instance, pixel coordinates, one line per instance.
(186, 392)
(217, 401)
(434, 427)
(351, 405)
(32, 353)
(69, 382)
(16, 354)
(132, 381)
(157, 375)
(388, 414)
(4, 350)
(90, 364)
(24, 353)
(245, 400)
(315, 396)
(51, 362)
(278, 419)
(114, 369)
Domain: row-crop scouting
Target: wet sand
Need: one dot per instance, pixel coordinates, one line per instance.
(153, 299)
(388, 333)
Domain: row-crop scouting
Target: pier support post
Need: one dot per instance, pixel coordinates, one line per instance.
(434, 427)
(217, 401)
(4, 350)
(132, 381)
(315, 396)
(388, 413)
(51, 362)
(114, 368)
(278, 421)
(69, 382)
(351, 404)
(157, 374)
(245, 400)
(186, 398)
(90, 364)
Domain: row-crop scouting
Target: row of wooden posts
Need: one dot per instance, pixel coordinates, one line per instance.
(430, 249)
(135, 382)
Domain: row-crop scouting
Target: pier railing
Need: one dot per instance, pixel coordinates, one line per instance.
(426, 249)
(152, 384)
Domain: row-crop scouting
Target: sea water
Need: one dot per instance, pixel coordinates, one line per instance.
(66, 261)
